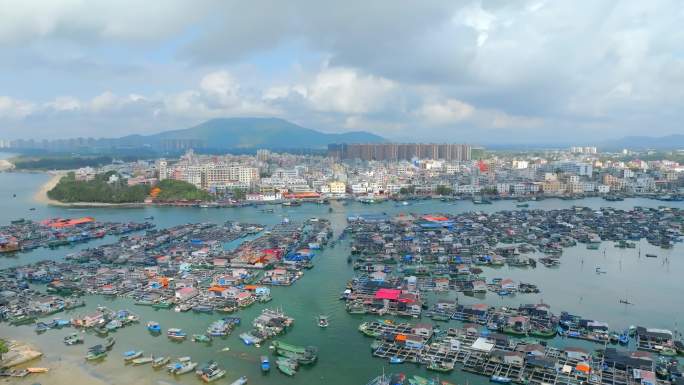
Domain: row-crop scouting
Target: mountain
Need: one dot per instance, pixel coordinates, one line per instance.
(247, 133)
(670, 142)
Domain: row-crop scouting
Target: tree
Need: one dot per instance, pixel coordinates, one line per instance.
(239, 194)
(443, 190)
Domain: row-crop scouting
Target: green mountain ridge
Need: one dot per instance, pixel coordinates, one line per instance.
(246, 133)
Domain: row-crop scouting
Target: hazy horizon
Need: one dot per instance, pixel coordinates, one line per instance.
(459, 71)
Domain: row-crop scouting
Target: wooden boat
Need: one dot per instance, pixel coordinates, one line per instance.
(181, 367)
(73, 339)
(176, 334)
(201, 338)
(38, 370)
(96, 355)
(153, 327)
(210, 372)
(265, 364)
(131, 355)
(160, 361)
(143, 360)
(240, 381)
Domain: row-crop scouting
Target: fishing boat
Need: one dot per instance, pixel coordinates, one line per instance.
(323, 321)
(265, 364)
(154, 327)
(73, 339)
(175, 334)
(396, 360)
(631, 331)
(201, 338)
(623, 339)
(301, 355)
(500, 379)
(219, 328)
(94, 355)
(667, 351)
(41, 327)
(240, 381)
(143, 360)
(287, 366)
(210, 372)
(182, 367)
(109, 343)
(160, 361)
(131, 355)
(113, 325)
(249, 339)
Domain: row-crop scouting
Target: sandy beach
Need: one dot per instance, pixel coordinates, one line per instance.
(5, 165)
(41, 195)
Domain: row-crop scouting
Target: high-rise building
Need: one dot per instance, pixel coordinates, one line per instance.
(400, 151)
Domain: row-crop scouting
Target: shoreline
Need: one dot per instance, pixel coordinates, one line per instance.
(41, 196)
(6, 165)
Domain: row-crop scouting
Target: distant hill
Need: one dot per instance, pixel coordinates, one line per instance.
(670, 142)
(246, 133)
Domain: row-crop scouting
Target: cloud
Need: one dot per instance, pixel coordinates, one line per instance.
(445, 112)
(15, 108)
(525, 67)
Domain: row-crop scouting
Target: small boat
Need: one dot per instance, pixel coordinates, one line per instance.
(651, 256)
(265, 364)
(38, 370)
(624, 301)
(323, 321)
(201, 338)
(500, 379)
(131, 355)
(667, 351)
(149, 218)
(614, 338)
(160, 361)
(142, 360)
(287, 366)
(176, 334)
(182, 366)
(109, 343)
(240, 381)
(210, 372)
(95, 355)
(73, 339)
(42, 327)
(249, 339)
(153, 327)
(623, 339)
(396, 360)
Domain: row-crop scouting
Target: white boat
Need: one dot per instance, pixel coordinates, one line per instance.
(142, 360)
(240, 381)
(160, 361)
(179, 368)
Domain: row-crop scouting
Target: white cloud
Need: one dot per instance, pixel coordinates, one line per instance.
(449, 111)
(64, 103)
(15, 108)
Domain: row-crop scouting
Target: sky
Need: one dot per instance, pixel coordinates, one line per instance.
(497, 71)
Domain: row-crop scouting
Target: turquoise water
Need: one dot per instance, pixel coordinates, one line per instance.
(345, 356)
